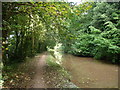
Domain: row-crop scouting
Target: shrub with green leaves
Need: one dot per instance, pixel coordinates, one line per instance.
(83, 45)
(98, 33)
(96, 46)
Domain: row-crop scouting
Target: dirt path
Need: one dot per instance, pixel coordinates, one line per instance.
(35, 73)
(89, 73)
(38, 80)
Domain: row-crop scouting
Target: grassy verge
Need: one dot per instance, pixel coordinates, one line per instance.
(57, 74)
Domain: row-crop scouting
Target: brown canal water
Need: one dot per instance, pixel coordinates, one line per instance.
(90, 73)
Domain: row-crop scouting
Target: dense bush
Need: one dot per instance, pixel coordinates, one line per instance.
(105, 50)
(97, 47)
(98, 33)
(83, 45)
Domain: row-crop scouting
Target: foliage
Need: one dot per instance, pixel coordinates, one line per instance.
(99, 35)
(27, 30)
(56, 52)
(51, 62)
(83, 45)
(1, 79)
(87, 29)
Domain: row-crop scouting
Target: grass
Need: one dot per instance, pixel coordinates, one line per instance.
(63, 77)
(51, 63)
